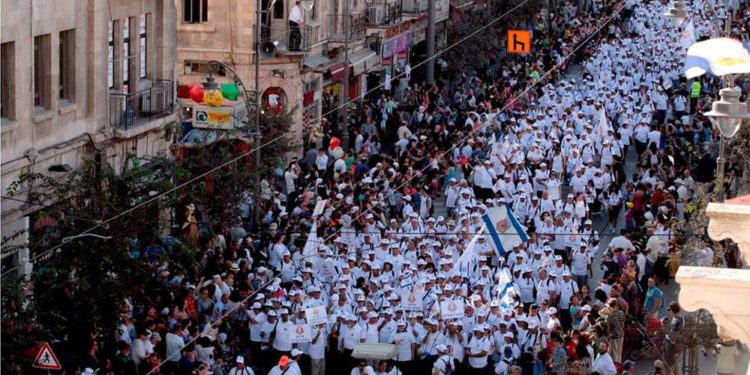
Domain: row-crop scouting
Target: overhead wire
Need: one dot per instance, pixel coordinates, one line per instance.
(539, 79)
(248, 153)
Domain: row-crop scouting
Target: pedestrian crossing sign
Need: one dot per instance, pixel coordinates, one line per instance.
(46, 359)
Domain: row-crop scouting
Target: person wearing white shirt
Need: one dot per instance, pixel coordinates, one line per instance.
(282, 334)
(363, 369)
(317, 350)
(295, 22)
(444, 363)
(321, 162)
(240, 368)
(407, 346)
(478, 350)
(603, 364)
(640, 133)
(174, 343)
(580, 265)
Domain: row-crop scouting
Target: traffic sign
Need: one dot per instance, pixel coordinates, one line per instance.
(46, 359)
(519, 41)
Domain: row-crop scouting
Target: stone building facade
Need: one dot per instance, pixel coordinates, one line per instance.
(82, 80)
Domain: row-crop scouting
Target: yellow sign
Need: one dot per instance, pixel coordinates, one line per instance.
(213, 117)
(519, 41)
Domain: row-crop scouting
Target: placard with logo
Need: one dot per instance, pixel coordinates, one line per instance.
(412, 301)
(452, 309)
(302, 333)
(316, 315)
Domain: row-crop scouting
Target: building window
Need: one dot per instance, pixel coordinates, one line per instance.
(7, 81)
(67, 65)
(111, 64)
(195, 11)
(142, 40)
(201, 68)
(42, 62)
(278, 10)
(125, 61)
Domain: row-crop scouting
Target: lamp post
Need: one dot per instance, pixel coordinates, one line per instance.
(726, 115)
(676, 13)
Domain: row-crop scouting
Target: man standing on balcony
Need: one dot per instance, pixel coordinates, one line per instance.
(295, 21)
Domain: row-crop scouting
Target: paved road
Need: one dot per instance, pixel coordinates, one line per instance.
(707, 364)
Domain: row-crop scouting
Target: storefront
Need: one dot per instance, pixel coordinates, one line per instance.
(395, 52)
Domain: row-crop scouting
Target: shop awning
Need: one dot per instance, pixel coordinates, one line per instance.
(363, 60)
(315, 61)
(337, 72)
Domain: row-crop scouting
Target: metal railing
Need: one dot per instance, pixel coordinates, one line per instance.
(282, 37)
(357, 27)
(383, 13)
(414, 6)
(134, 109)
(461, 3)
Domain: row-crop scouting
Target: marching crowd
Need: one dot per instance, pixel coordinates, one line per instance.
(375, 264)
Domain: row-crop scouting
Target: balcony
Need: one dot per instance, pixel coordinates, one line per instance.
(382, 13)
(131, 110)
(357, 27)
(281, 37)
(414, 7)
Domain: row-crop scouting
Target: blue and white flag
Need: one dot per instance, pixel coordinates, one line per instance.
(468, 257)
(719, 56)
(506, 290)
(504, 229)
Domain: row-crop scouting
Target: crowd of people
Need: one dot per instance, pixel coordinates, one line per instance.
(379, 259)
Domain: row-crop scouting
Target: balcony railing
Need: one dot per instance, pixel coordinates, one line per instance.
(283, 35)
(357, 27)
(130, 110)
(460, 4)
(381, 13)
(413, 7)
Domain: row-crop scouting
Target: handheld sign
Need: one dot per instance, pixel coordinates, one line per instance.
(519, 41)
(452, 309)
(412, 301)
(316, 315)
(46, 359)
(301, 334)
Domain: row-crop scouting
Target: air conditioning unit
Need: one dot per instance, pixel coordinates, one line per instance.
(374, 15)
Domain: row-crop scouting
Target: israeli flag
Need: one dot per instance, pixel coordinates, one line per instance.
(506, 290)
(719, 56)
(468, 257)
(504, 229)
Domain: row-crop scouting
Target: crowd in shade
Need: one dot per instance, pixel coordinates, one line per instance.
(458, 225)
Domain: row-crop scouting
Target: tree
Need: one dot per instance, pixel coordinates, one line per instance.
(78, 290)
(83, 284)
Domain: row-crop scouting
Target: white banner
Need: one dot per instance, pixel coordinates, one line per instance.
(320, 206)
(302, 333)
(452, 309)
(412, 301)
(316, 315)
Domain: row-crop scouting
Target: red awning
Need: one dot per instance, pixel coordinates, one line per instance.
(337, 72)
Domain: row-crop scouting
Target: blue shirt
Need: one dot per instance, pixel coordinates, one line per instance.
(651, 294)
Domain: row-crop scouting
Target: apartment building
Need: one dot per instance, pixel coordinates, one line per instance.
(82, 80)
(308, 81)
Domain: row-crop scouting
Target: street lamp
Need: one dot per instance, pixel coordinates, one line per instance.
(676, 13)
(308, 4)
(727, 115)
